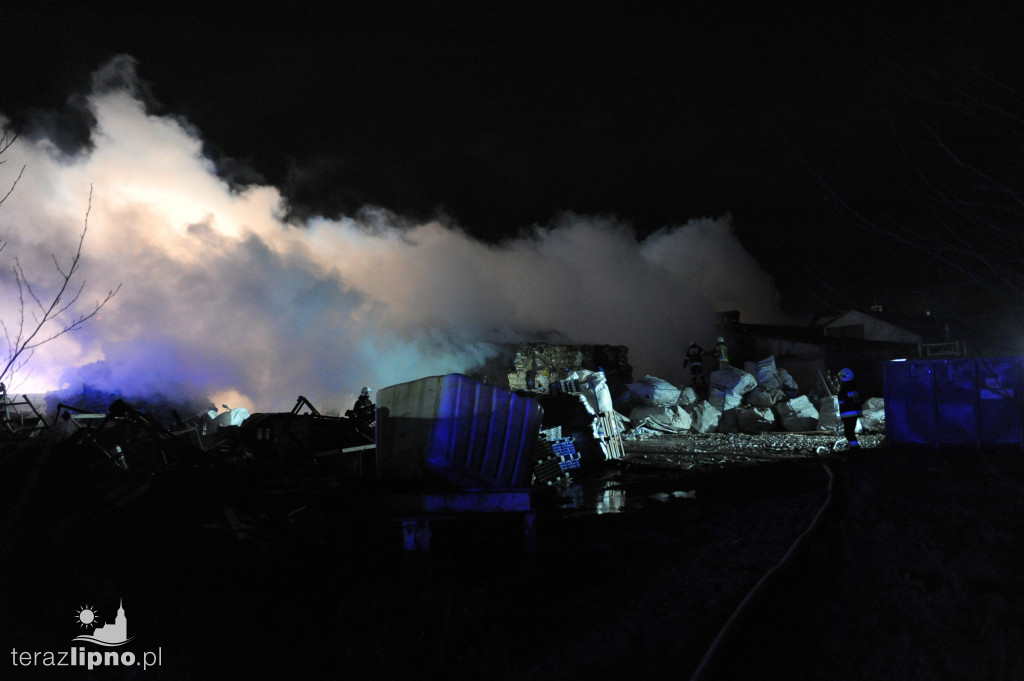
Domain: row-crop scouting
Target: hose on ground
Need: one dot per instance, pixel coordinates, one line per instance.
(730, 623)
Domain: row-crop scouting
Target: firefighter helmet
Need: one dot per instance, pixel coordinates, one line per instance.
(721, 340)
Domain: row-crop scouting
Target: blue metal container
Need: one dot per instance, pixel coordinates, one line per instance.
(455, 429)
(975, 402)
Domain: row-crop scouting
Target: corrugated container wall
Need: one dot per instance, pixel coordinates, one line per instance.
(975, 402)
(471, 434)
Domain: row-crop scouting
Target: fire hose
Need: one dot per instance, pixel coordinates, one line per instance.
(768, 576)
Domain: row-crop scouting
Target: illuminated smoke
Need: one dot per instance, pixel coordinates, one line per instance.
(221, 297)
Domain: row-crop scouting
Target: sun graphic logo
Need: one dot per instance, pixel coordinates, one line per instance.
(109, 634)
(86, 616)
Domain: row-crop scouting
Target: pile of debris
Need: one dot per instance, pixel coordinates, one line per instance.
(561, 415)
(760, 398)
(580, 421)
(123, 437)
(537, 366)
(574, 385)
(430, 449)
(20, 419)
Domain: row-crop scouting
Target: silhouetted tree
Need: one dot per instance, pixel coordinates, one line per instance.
(44, 317)
(959, 202)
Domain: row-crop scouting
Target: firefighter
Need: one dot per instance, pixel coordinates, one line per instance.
(363, 411)
(849, 406)
(721, 352)
(695, 358)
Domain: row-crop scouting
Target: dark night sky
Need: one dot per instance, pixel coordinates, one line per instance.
(502, 117)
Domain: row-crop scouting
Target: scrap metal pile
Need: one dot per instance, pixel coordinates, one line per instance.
(125, 438)
(433, 449)
(21, 421)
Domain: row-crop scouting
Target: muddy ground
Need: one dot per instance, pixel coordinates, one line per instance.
(912, 570)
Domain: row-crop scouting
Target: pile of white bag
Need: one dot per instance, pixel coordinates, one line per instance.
(661, 418)
(828, 415)
(872, 419)
(654, 391)
(728, 386)
(759, 399)
(664, 408)
(797, 415)
(771, 377)
(705, 416)
(747, 419)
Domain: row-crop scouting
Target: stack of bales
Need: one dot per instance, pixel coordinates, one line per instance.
(778, 391)
(659, 406)
(761, 398)
(730, 387)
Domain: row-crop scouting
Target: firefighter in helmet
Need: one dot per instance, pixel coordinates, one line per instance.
(721, 352)
(363, 411)
(849, 406)
(695, 358)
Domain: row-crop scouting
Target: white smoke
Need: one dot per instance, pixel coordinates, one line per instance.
(221, 297)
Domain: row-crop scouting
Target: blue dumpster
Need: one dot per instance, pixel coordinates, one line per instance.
(456, 430)
(975, 402)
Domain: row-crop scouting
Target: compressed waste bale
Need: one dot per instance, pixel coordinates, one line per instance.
(724, 400)
(789, 385)
(653, 390)
(727, 422)
(797, 415)
(753, 420)
(687, 395)
(705, 416)
(664, 419)
(766, 373)
(872, 417)
(763, 397)
(538, 366)
(828, 414)
(594, 387)
(733, 380)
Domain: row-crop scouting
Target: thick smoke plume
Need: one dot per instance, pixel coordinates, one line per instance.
(220, 297)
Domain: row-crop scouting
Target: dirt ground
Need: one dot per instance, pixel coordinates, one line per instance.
(910, 570)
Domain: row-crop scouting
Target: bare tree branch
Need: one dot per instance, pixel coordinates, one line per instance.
(962, 202)
(50, 315)
(6, 140)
